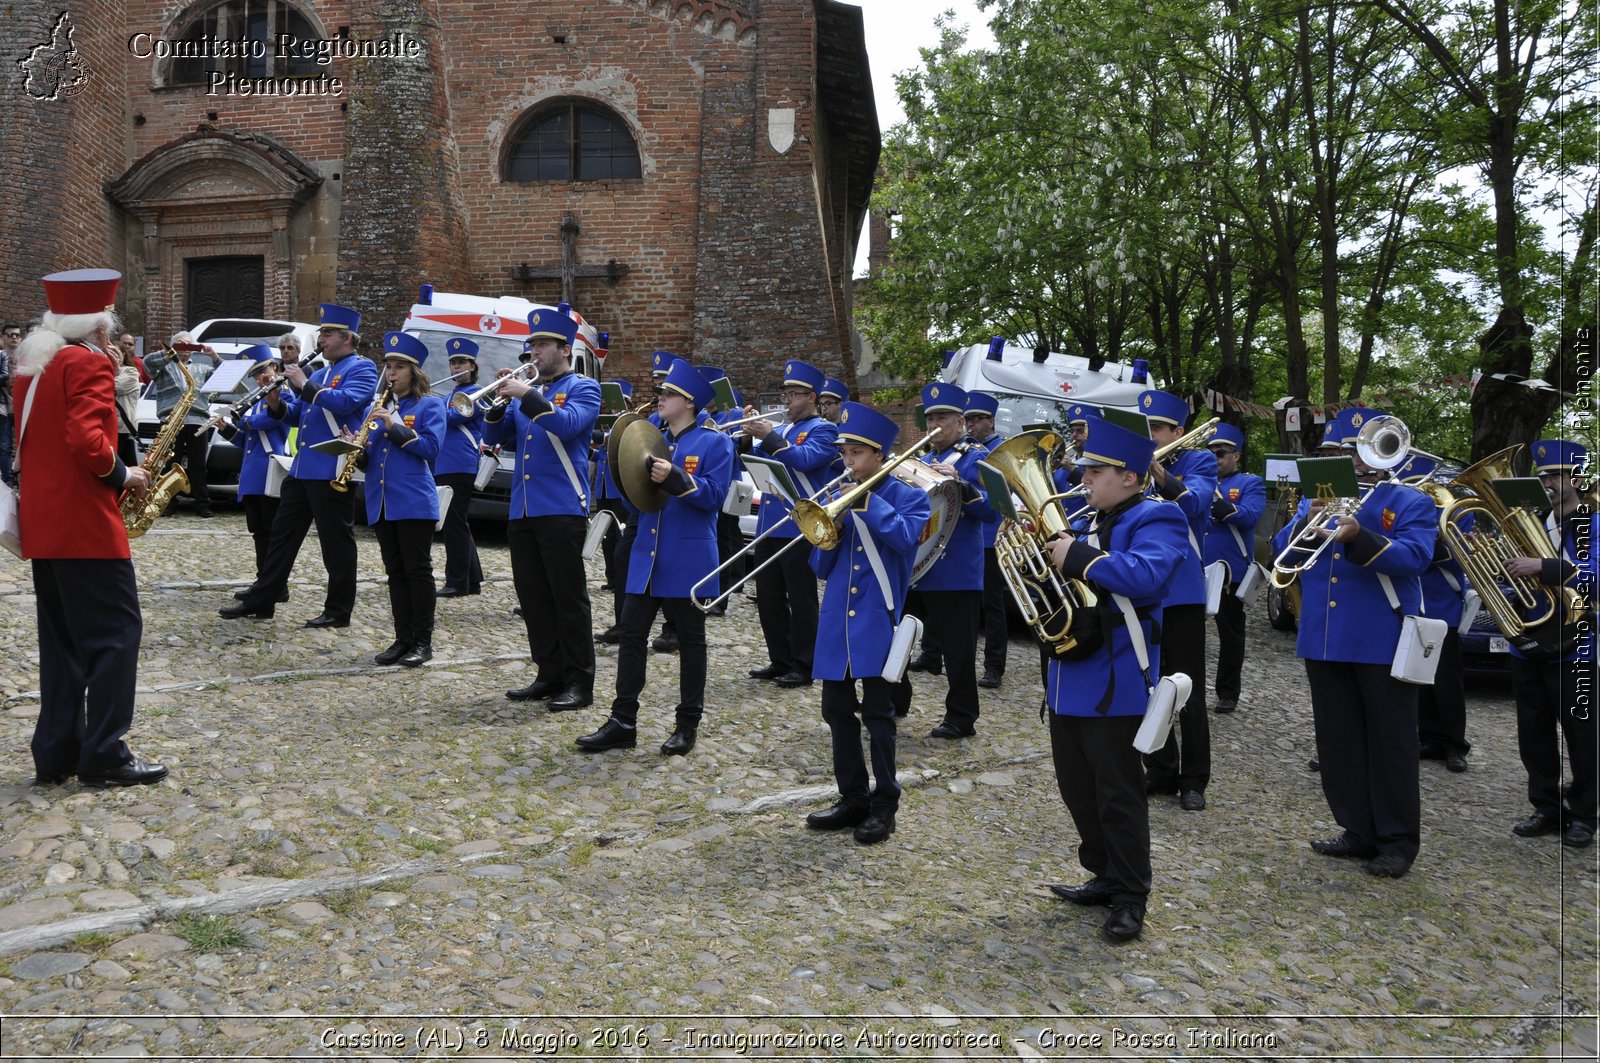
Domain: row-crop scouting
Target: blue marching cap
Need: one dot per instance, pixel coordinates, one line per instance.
(1109, 443)
(713, 373)
(405, 347)
(661, 361)
(684, 379)
(1349, 421)
(1332, 435)
(1081, 412)
(625, 385)
(798, 374)
(1165, 407)
(259, 356)
(1227, 436)
(1559, 455)
(864, 425)
(834, 389)
(1416, 465)
(940, 397)
(527, 351)
(461, 347)
(979, 403)
(339, 317)
(548, 324)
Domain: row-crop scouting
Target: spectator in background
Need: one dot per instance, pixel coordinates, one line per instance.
(12, 337)
(127, 387)
(191, 447)
(130, 355)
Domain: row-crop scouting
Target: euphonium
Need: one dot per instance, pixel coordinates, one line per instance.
(1048, 602)
(139, 514)
(368, 423)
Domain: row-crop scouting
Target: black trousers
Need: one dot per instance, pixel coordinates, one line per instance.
(190, 452)
(608, 546)
(729, 542)
(127, 449)
(786, 598)
(259, 513)
(461, 569)
(553, 589)
(1184, 763)
(845, 714)
(89, 630)
(407, 549)
(996, 638)
(1230, 644)
(303, 503)
(1102, 784)
(638, 614)
(950, 622)
(1556, 698)
(1442, 707)
(1366, 724)
(619, 576)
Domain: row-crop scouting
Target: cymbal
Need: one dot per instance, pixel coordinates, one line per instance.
(638, 439)
(614, 436)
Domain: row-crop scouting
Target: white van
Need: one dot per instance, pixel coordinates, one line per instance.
(499, 326)
(1037, 391)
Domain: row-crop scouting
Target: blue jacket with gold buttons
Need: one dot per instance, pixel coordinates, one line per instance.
(260, 435)
(335, 397)
(806, 448)
(399, 484)
(548, 431)
(961, 566)
(677, 545)
(462, 438)
(1236, 509)
(1191, 486)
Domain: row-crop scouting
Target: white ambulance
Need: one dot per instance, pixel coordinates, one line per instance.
(1034, 389)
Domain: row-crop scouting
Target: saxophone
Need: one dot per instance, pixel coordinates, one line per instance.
(139, 514)
(341, 482)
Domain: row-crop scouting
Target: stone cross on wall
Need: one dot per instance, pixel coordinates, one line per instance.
(568, 271)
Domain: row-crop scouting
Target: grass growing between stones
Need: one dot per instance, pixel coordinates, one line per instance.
(210, 933)
(93, 940)
(345, 901)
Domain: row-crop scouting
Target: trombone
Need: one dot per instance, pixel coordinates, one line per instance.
(467, 403)
(820, 523)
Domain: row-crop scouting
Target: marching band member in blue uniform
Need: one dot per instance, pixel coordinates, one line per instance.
(676, 547)
(667, 641)
(402, 498)
(1188, 479)
(950, 593)
(1366, 720)
(1559, 694)
(1131, 546)
(610, 499)
(549, 425)
(979, 418)
(1067, 475)
(729, 539)
(786, 593)
(457, 469)
(829, 399)
(1236, 509)
(324, 405)
(861, 604)
(260, 436)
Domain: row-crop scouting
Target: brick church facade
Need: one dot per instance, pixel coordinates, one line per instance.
(694, 173)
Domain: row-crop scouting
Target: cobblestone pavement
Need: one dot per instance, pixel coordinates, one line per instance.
(364, 861)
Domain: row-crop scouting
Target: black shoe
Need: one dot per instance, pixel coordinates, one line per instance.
(1430, 752)
(1153, 789)
(516, 610)
(664, 643)
(1314, 765)
(134, 773)
(241, 594)
(1125, 922)
(1343, 845)
(1578, 836)
(393, 653)
(611, 636)
(450, 592)
(205, 513)
(949, 730)
(51, 778)
(771, 671)
(574, 697)
(720, 609)
(283, 595)
(538, 690)
(419, 654)
(681, 742)
(990, 680)
(1456, 762)
(1388, 865)
(926, 662)
(328, 620)
(1226, 705)
(838, 817)
(875, 828)
(1192, 801)
(1096, 891)
(790, 680)
(611, 735)
(1538, 824)
(236, 612)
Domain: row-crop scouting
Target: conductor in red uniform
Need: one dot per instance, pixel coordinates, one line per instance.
(88, 603)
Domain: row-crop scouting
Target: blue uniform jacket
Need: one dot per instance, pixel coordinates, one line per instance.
(1191, 486)
(1140, 563)
(989, 530)
(334, 398)
(682, 535)
(400, 462)
(260, 435)
(462, 439)
(1232, 539)
(541, 485)
(855, 622)
(1344, 614)
(807, 448)
(961, 566)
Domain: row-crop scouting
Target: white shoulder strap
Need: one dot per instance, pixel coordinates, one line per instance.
(870, 548)
(566, 463)
(1388, 592)
(1131, 618)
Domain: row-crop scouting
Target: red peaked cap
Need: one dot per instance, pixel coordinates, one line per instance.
(81, 291)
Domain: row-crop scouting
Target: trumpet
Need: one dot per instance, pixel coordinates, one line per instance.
(1195, 438)
(469, 402)
(776, 418)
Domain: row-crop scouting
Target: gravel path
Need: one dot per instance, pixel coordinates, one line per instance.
(371, 862)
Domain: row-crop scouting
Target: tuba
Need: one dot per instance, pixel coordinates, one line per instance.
(1048, 602)
(139, 514)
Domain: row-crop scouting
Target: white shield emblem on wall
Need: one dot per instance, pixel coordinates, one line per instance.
(780, 128)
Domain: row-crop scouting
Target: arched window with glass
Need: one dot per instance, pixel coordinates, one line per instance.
(572, 140)
(261, 23)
